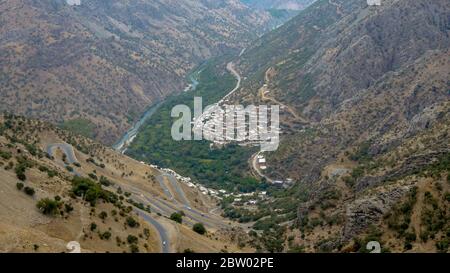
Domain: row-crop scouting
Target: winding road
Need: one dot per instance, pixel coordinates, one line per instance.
(67, 149)
(164, 237)
(230, 67)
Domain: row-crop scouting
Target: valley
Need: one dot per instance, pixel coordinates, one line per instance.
(87, 155)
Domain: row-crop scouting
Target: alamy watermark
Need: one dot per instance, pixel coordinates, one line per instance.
(374, 2)
(221, 124)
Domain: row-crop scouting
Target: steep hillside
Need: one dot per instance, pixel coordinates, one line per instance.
(101, 63)
(365, 93)
(52, 194)
(279, 4)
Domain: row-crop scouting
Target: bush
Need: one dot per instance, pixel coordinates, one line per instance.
(105, 182)
(20, 172)
(5, 155)
(131, 222)
(105, 235)
(131, 239)
(51, 173)
(68, 208)
(48, 206)
(103, 215)
(19, 186)
(30, 191)
(199, 228)
(92, 176)
(93, 226)
(134, 249)
(177, 217)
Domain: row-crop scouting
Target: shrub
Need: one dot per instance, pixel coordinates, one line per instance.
(105, 235)
(92, 176)
(134, 249)
(30, 191)
(177, 217)
(104, 181)
(48, 206)
(131, 239)
(443, 245)
(131, 222)
(68, 208)
(5, 155)
(93, 226)
(51, 173)
(20, 171)
(103, 215)
(199, 228)
(19, 186)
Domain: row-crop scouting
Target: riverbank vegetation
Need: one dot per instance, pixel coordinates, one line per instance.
(225, 168)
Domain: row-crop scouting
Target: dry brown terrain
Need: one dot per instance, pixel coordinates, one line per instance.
(24, 228)
(103, 63)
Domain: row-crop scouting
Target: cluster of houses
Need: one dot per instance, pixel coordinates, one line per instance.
(229, 124)
(283, 183)
(248, 199)
(262, 162)
(188, 182)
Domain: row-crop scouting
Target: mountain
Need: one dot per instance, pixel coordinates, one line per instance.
(95, 67)
(279, 4)
(59, 188)
(365, 124)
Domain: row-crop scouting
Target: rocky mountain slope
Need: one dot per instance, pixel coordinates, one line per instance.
(101, 63)
(365, 124)
(57, 187)
(279, 4)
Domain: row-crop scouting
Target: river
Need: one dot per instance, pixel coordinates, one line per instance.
(130, 135)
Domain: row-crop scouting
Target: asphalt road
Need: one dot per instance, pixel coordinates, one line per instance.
(162, 232)
(175, 184)
(67, 149)
(163, 185)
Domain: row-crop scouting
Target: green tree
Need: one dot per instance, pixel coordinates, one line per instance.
(131, 222)
(177, 217)
(48, 206)
(19, 186)
(103, 215)
(93, 226)
(199, 228)
(30, 191)
(131, 239)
